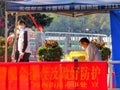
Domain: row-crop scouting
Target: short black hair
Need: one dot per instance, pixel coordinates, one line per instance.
(21, 22)
(84, 40)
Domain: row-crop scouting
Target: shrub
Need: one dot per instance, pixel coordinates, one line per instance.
(105, 53)
(2, 50)
(50, 51)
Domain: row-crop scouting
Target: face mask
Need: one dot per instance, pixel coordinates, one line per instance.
(21, 27)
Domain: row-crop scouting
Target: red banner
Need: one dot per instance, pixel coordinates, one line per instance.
(53, 76)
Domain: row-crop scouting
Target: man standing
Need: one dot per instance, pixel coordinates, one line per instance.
(23, 42)
(91, 50)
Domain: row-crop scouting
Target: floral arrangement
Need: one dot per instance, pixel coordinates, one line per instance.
(51, 51)
(2, 50)
(105, 53)
(50, 43)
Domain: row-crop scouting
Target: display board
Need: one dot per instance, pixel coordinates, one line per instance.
(53, 76)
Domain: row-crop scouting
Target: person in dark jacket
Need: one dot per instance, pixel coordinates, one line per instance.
(23, 42)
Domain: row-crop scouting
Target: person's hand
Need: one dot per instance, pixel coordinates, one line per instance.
(21, 56)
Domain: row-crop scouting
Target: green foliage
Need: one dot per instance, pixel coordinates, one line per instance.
(41, 19)
(49, 54)
(42, 50)
(2, 47)
(105, 53)
(2, 51)
(2, 42)
(10, 48)
(96, 23)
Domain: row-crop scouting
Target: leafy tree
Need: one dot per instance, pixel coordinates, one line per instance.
(96, 23)
(41, 19)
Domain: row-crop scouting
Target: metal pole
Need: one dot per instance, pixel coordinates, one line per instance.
(110, 75)
(6, 34)
(110, 66)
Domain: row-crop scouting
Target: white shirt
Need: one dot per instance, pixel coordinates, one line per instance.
(21, 41)
(92, 53)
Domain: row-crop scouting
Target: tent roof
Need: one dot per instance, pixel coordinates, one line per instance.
(65, 7)
(44, 2)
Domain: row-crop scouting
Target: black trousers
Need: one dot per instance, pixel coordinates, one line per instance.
(16, 55)
(25, 57)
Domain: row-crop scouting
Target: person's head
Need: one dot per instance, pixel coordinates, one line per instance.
(21, 24)
(84, 42)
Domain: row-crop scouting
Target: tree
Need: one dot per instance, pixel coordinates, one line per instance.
(43, 20)
(95, 23)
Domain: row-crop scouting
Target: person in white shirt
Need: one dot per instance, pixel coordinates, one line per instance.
(23, 42)
(92, 51)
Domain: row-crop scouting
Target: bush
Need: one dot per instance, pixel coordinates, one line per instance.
(2, 42)
(2, 50)
(10, 48)
(50, 51)
(105, 53)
